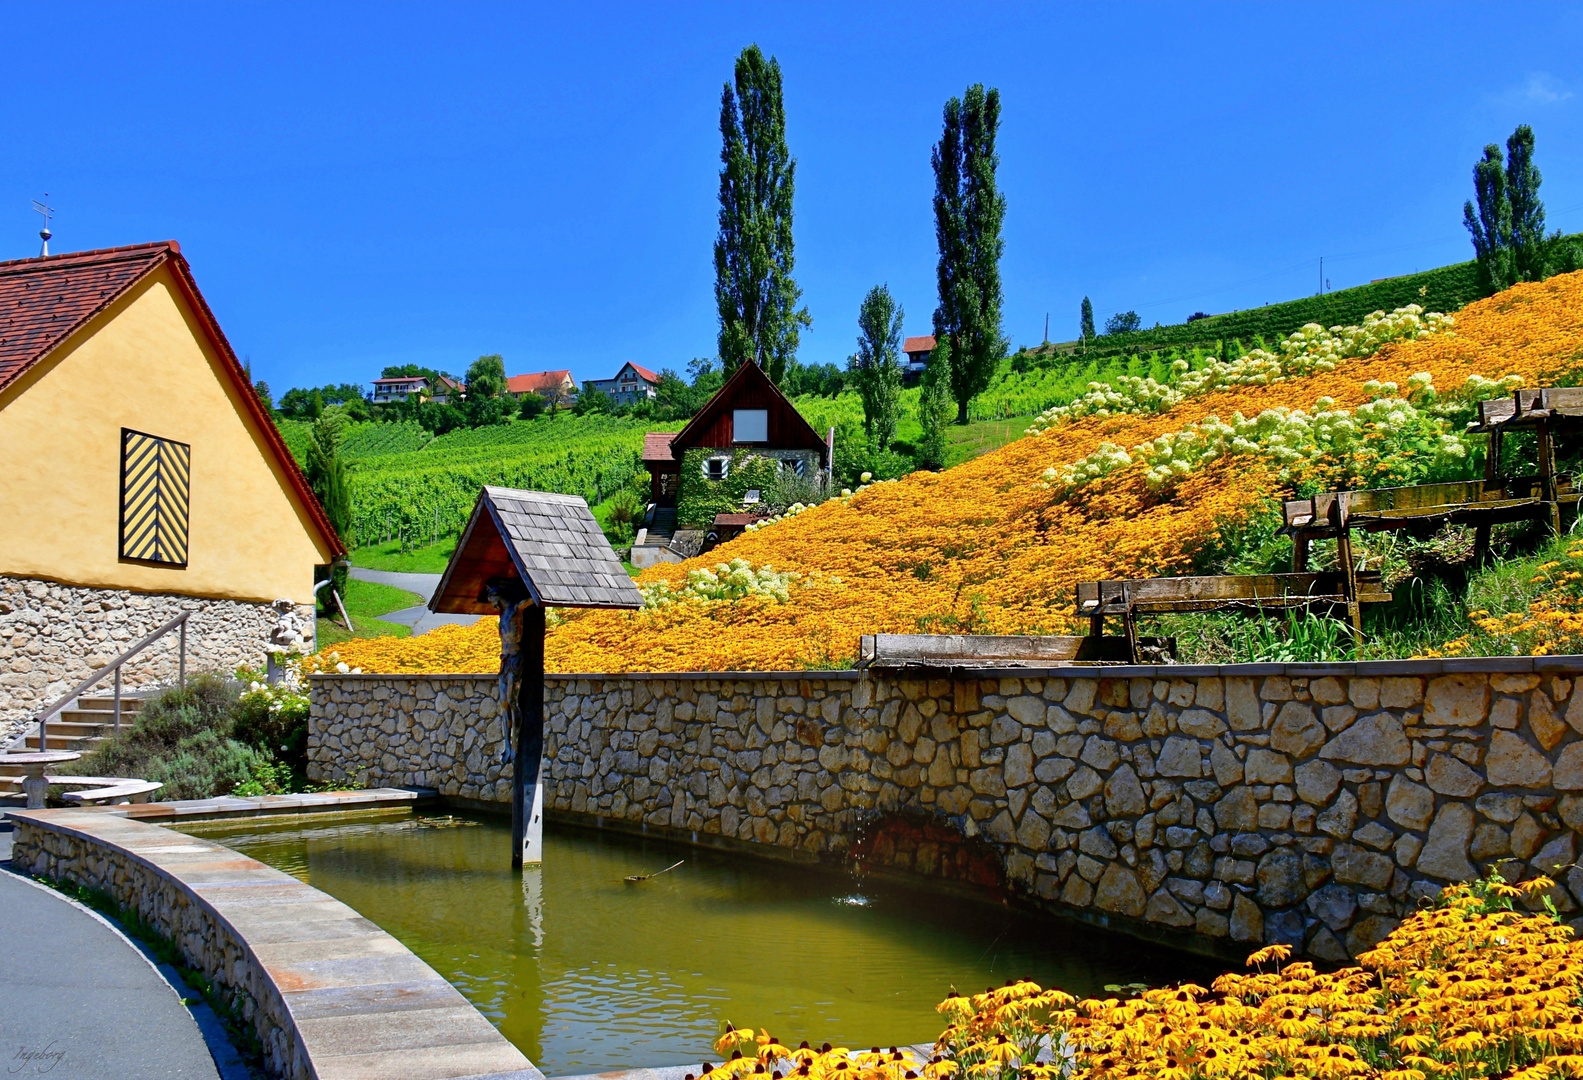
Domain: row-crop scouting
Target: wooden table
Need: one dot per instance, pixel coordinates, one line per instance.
(33, 783)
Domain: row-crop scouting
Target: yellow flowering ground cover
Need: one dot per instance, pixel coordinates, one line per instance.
(1471, 988)
(987, 547)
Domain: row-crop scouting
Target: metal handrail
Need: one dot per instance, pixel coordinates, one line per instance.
(115, 667)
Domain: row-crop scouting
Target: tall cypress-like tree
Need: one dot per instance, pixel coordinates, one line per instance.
(1529, 252)
(877, 364)
(1086, 320)
(754, 292)
(968, 213)
(1508, 227)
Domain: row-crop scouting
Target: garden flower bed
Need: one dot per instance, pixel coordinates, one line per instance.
(1470, 988)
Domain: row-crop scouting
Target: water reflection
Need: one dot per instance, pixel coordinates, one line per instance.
(586, 972)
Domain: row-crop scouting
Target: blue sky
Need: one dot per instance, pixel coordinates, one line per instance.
(371, 184)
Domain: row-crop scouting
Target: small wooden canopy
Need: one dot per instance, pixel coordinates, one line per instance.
(551, 543)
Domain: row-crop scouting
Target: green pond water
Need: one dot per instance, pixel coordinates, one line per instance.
(585, 972)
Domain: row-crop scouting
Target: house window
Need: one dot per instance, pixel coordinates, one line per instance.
(795, 465)
(716, 468)
(155, 474)
(750, 425)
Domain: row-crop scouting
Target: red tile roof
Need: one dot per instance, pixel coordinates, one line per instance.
(657, 446)
(401, 379)
(648, 376)
(537, 382)
(918, 344)
(44, 301)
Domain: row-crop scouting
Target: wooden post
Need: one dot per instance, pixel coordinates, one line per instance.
(1299, 552)
(1547, 476)
(1492, 479)
(1349, 572)
(527, 796)
(1129, 622)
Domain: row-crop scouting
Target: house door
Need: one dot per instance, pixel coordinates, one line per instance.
(665, 488)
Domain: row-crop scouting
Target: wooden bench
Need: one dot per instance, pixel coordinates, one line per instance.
(1251, 594)
(1420, 509)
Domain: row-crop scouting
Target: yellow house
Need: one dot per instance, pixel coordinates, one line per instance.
(142, 477)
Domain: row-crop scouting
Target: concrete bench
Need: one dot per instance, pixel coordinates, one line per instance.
(115, 793)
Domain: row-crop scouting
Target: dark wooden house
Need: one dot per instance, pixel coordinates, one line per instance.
(748, 413)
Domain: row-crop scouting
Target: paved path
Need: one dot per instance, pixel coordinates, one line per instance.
(79, 1000)
(419, 617)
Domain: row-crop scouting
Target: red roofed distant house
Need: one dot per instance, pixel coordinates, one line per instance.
(917, 350)
(143, 478)
(631, 383)
(556, 387)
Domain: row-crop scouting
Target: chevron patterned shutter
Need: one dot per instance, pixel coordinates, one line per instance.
(155, 475)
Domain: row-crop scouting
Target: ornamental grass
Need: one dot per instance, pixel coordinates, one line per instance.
(1471, 988)
(988, 546)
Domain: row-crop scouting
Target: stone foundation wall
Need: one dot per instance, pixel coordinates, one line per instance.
(52, 636)
(1221, 807)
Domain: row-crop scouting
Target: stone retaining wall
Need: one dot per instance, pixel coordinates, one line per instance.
(52, 636)
(326, 991)
(1219, 807)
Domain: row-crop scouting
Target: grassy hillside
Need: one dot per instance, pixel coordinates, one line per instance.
(410, 488)
(1182, 484)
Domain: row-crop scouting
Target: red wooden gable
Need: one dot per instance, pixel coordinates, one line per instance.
(749, 388)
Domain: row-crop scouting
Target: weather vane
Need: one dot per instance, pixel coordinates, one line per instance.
(44, 234)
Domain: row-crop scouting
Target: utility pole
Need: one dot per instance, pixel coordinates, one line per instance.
(1321, 275)
(1047, 328)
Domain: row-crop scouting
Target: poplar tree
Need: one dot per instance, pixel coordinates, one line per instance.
(1529, 250)
(755, 295)
(1508, 226)
(968, 213)
(1086, 320)
(877, 365)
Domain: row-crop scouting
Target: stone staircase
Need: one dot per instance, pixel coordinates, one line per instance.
(81, 727)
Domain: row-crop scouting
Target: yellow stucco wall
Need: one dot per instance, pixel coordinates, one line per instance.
(145, 364)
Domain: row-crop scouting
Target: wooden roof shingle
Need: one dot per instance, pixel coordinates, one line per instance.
(549, 542)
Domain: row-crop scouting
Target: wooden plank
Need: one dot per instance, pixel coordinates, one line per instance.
(1193, 593)
(965, 650)
(1524, 408)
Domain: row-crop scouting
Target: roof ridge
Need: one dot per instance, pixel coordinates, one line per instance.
(125, 253)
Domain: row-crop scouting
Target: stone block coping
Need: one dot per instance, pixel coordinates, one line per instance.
(232, 806)
(1446, 666)
(356, 1003)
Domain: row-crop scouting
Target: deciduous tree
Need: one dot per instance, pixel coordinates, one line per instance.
(755, 295)
(877, 364)
(486, 377)
(968, 213)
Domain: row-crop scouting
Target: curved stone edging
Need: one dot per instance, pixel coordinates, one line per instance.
(329, 994)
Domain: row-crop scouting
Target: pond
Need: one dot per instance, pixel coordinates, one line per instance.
(585, 972)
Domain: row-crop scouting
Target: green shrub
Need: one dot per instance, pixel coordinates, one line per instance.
(209, 738)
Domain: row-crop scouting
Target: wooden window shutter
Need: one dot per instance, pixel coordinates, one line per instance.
(155, 479)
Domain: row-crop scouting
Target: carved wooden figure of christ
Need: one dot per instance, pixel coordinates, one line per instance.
(522, 715)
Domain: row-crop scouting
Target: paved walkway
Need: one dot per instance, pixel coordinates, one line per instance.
(79, 1000)
(419, 617)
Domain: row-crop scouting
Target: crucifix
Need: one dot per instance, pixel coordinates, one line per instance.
(522, 553)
